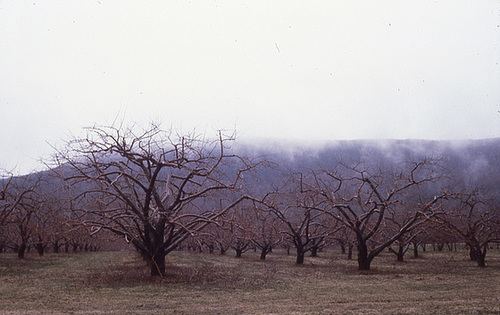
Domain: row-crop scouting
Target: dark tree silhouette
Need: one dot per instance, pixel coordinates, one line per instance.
(361, 200)
(152, 187)
(474, 221)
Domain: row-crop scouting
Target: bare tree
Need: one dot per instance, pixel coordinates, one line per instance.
(345, 238)
(300, 214)
(12, 193)
(152, 187)
(396, 218)
(240, 238)
(18, 207)
(473, 221)
(265, 231)
(218, 236)
(361, 198)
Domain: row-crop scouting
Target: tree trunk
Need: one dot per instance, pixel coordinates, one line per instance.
(415, 251)
(239, 252)
(21, 250)
(481, 257)
(263, 253)
(481, 261)
(363, 260)
(342, 248)
(314, 251)
(40, 249)
(300, 251)
(157, 265)
(349, 253)
(300, 258)
(56, 247)
(400, 253)
(474, 253)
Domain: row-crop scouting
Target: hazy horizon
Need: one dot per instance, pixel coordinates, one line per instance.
(295, 71)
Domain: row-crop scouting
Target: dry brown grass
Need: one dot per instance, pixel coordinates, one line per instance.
(117, 282)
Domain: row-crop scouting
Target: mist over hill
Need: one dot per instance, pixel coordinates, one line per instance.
(471, 162)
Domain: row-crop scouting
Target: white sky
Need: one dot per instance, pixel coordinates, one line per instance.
(310, 70)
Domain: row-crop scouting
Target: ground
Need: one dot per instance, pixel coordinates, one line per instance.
(199, 283)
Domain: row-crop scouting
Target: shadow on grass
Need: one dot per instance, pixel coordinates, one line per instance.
(135, 272)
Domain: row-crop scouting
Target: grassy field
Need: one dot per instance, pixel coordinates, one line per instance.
(117, 283)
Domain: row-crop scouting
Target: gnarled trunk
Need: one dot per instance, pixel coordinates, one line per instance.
(157, 265)
(300, 258)
(239, 252)
(481, 258)
(364, 260)
(266, 249)
(474, 253)
(399, 253)
(300, 251)
(481, 261)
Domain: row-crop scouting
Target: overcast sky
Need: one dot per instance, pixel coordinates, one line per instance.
(307, 70)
